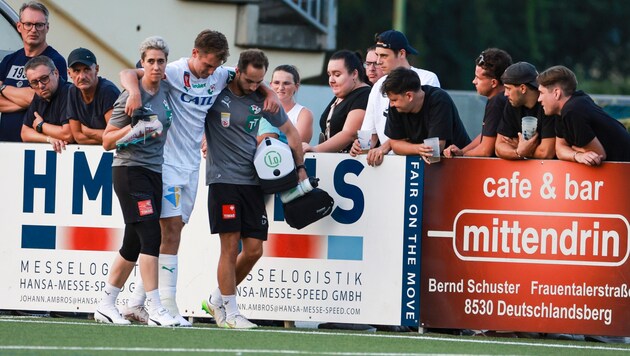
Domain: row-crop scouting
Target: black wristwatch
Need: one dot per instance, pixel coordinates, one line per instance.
(39, 127)
(297, 168)
(2, 88)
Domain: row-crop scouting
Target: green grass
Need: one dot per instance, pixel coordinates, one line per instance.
(46, 336)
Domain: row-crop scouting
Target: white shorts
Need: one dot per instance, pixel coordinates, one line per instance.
(179, 190)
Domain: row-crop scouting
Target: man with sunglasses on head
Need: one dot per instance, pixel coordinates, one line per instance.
(15, 93)
(392, 49)
(46, 119)
(489, 67)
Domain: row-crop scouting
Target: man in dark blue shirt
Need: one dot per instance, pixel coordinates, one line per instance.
(15, 93)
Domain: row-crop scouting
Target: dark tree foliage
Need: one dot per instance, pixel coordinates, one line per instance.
(592, 37)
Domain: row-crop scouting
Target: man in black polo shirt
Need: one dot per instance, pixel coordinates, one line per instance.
(417, 112)
(585, 133)
(45, 119)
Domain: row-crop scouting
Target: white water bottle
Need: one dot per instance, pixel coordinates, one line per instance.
(299, 190)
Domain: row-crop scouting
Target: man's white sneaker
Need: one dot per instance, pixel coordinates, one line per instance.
(183, 322)
(217, 312)
(144, 129)
(109, 315)
(162, 318)
(136, 313)
(239, 322)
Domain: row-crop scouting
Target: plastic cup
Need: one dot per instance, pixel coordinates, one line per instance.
(434, 142)
(528, 126)
(365, 138)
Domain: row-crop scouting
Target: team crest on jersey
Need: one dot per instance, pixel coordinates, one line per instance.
(225, 119)
(255, 109)
(186, 81)
(211, 89)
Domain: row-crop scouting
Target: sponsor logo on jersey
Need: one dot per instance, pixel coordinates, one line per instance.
(229, 211)
(252, 123)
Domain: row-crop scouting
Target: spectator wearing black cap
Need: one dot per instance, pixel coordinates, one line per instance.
(585, 133)
(522, 93)
(90, 100)
(392, 49)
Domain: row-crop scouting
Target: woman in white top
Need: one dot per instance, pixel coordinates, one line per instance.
(285, 81)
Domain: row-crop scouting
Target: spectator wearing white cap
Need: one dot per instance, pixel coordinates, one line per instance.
(90, 100)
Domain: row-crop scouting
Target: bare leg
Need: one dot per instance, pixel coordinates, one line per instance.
(171, 234)
(252, 251)
(226, 271)
(120, 271)
(148, 271)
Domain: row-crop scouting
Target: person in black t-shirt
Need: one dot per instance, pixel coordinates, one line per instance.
(489, 67)
(45, 119)
(521, 90)
(91, 98)
(585, 133)
(417, 112)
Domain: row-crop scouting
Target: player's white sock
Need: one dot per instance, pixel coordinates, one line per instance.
(111, 293)
(138, 296)
(168, 282)
(229, 303)
(153, 301)
(215, 297)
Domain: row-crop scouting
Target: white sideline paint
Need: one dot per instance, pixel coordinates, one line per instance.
(411, 336)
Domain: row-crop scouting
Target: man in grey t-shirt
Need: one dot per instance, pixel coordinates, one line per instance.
(235, 200)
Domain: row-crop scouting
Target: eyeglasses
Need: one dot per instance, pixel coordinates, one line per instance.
(43, 80)
(366, 65)
(29, 25)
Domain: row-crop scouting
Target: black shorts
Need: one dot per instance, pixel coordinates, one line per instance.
(234, 208)
(139, 192)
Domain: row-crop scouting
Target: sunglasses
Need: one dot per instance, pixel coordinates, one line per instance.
(482, 62)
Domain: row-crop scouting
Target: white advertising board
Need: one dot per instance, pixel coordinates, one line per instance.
(62, 227)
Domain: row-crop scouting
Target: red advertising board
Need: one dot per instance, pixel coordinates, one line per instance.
(537, 245)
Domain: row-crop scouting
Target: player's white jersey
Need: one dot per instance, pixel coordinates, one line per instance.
(191, 98)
